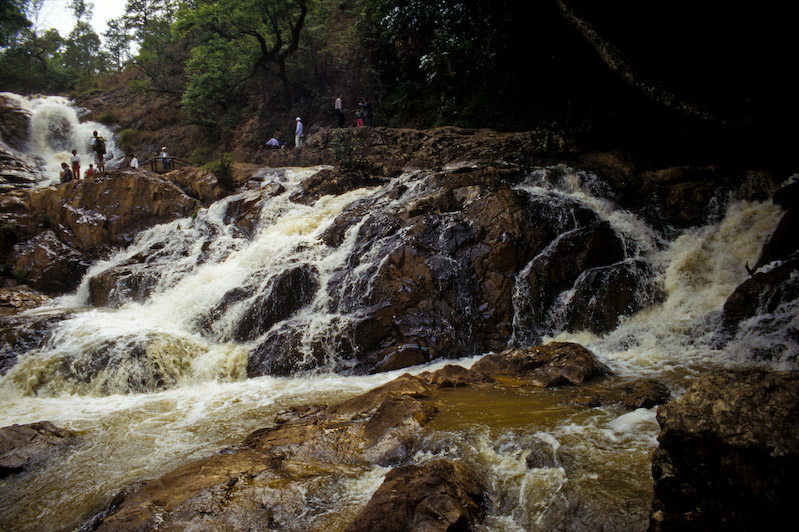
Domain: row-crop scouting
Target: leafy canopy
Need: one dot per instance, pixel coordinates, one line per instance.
(235, 41)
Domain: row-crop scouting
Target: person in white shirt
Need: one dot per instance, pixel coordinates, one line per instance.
(75, 164)
(299, 132)
(164, 159)
(339, 106)
(134, 162)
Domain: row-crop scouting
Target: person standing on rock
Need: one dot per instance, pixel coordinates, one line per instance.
(98, 147)
(75, 164)
(299, 132)
(339, 108)
(367, 112)
(134, 162)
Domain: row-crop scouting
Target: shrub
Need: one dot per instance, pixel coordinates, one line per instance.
(19, 275)
(108, 117)
(130, 140)
(223, 170)
(202, 155)
(346, 151)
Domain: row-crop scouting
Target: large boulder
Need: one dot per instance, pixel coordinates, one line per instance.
(282, 296)
(48, 264)
(553, 364)
(728, 454)
(15, 122)
(441, 495)
(22, 446)
(469, 224)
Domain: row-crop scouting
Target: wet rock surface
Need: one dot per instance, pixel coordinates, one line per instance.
(728, 457)
(22, 446)
(318, 446)
(59, 231)
(437, 496)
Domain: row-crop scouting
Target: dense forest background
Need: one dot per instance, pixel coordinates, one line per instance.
(685, 81)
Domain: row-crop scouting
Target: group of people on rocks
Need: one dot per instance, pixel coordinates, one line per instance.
(363, 117)
(276, 143)
(72, 171)
(363, 112)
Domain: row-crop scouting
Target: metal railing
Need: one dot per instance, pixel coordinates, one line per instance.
(162, 165)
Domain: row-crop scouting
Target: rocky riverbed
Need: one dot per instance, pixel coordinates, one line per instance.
(448, 243)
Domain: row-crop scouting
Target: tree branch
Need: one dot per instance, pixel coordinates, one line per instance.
(616, 61)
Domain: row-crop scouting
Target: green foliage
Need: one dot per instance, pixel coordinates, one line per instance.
(236, 39)
(109, 117)
(348, 152)
(9, 232)
(202, 155)
(12, 20)
(19, 275)
(130, 140)
(463, 63)
(223, 170)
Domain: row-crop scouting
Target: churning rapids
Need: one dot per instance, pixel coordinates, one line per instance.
(185, 394)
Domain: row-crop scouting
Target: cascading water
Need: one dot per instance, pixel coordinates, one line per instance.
(55, 130)
(154, 383)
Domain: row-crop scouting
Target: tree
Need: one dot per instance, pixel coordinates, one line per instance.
(161, 56)
(28, 59)
(12, 20)
(238, 39)
(117, 42)
(82, 56)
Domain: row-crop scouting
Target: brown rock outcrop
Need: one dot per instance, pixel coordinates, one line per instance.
(312, 448)
(24, 445)
(16, 299)
(728, 457)
(437, 496)
(60, 230)
(553, 364)
(14, 123)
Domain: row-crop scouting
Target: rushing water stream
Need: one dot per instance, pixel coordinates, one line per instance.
(184, 394)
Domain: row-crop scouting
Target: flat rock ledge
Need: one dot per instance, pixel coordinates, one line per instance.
(266, 481)
(728, 457)
(22, 446)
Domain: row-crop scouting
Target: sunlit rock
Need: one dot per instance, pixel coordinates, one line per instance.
(441, 496)
(48, 264)
(553, 364)
(74, 223)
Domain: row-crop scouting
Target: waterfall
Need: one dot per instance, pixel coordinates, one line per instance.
(159, 378)
(55, 130)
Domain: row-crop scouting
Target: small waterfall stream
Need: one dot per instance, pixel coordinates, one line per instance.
(55, 130)
(150, 384)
